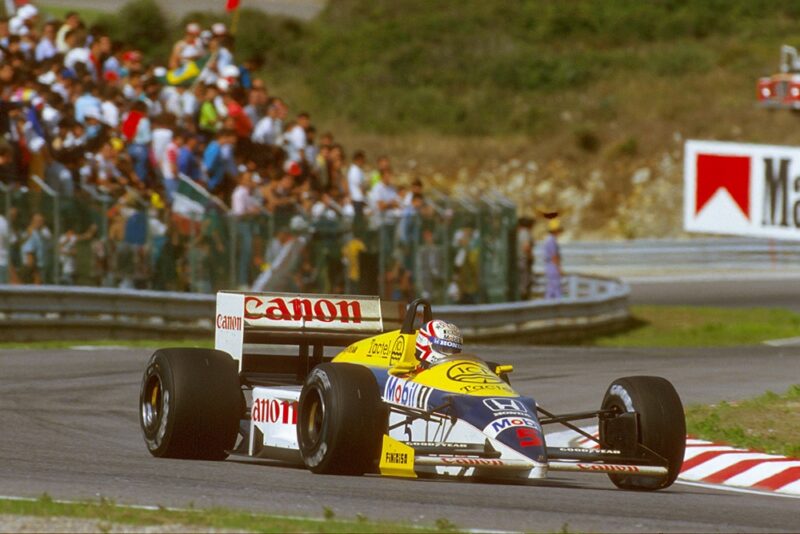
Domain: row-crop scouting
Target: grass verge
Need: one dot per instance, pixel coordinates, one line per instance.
(690, 326)
(769, 423)
(221, 518)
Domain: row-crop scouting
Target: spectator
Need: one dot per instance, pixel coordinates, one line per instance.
(466, 266)
(296, 139)
(136, 128)
(187, 49)
(283, 258)
(67, 252)
(552, 260)
(34, 250)
(72, 22)
(218, 159)
(267, 130)
(356, 184)
(281, 199)
(524, 256)
(188, 161)
(46, 48)
(429, 266)
(244, 208)
(5, 245)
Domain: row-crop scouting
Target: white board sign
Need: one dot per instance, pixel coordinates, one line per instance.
(742, 189)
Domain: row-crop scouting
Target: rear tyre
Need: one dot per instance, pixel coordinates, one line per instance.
(661, 424)
(190, 404)
(341, 420)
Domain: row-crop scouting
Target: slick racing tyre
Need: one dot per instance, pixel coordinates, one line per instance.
(661, 424)
(341, 420)
(190, 404)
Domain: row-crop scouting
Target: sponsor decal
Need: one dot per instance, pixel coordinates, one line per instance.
(505, 406)
(449, 344)
(528, 437)
(281, 412)
(398, 349)
(229, 322)
(589, 451)
(504, 423)
(742, 189)
(396, 458)
(472, 462)
(437, 444)
(405, 393)
(609, 468)
(378, 348)
(728, 173)
(485, 387)
(472, 373)
(300, 309)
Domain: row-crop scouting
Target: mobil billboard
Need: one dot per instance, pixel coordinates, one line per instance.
(742, 189)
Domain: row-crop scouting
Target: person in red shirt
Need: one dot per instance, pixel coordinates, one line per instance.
(241, 123)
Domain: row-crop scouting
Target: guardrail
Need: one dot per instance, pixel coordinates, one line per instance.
(56, 312)
(717, 253)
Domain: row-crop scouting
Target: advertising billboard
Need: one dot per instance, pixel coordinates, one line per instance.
(742, 189)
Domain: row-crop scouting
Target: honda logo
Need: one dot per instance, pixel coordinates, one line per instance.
(505, 405)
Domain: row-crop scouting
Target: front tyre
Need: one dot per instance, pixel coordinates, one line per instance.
(190, 404)
(661, 425)
(341, 420)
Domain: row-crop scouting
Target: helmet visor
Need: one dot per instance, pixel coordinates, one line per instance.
(444, 346)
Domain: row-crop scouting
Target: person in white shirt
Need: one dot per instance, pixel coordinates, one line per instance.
(356, 184)
(296, 138)
(108, 109)
(187, 49)
(47, 47)
(267, 130)
(384, 200)
(72, 22)
(242, 207)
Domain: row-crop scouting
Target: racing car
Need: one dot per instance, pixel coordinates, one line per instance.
(334, 383)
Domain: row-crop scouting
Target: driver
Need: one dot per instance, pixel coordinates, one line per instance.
(436, 341)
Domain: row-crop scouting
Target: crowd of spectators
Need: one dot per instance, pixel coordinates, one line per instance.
(129, 146)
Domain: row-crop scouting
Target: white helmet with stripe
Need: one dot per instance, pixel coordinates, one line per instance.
(436, 341)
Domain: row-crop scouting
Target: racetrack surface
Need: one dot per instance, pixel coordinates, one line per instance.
(70, 429)
(709, 290)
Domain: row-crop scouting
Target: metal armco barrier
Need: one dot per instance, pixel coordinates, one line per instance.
(32, 313)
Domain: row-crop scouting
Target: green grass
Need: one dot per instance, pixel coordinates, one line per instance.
(108, 512)
(689, 326)
(769, 423)
(133, 343)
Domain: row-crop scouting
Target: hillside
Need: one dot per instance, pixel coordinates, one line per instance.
(582, 105)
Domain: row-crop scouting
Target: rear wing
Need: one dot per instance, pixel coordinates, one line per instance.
(245, 320)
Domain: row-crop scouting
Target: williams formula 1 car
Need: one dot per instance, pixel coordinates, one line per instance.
(332, 383)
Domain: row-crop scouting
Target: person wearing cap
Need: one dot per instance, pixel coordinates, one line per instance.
(187, 49)
(552, 261)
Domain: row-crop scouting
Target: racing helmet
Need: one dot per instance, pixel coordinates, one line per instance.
(437, 340)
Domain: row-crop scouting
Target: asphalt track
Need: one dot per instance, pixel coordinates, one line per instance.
(711, 290)
(69, 428)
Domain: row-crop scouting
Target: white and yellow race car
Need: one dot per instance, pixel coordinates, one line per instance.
(351, 398)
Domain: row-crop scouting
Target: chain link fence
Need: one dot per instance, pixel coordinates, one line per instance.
(450, 250)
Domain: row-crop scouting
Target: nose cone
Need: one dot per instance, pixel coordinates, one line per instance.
(510, 420)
